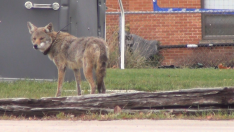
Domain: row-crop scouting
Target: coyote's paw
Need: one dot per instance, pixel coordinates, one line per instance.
(58, 95)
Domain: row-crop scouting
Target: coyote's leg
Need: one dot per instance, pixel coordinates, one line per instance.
(101, 86)
(61, 73)
(78, 80)
(100, 74)
(88, 72)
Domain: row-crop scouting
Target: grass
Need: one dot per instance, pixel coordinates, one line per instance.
(222, 115)
(168, 79)
(129, 79)
(150, 80)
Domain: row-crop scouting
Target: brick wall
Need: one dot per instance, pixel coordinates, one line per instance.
(140, 5)
(169, 29)
(180, 3)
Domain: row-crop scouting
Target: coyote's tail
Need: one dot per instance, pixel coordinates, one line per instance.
(101, 67)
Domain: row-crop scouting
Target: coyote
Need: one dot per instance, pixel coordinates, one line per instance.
(69, 51)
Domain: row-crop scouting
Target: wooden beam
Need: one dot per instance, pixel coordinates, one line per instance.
(188, 100)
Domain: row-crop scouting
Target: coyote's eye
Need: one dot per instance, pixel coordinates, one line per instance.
(34, 38)
(41, 38)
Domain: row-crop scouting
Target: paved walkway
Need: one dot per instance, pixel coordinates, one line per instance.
(118, 126)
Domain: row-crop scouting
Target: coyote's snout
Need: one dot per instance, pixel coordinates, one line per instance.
(69, 51)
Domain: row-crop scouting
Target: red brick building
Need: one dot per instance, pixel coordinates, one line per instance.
(169, 28)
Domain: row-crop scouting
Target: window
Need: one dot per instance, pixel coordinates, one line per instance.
(218, 25)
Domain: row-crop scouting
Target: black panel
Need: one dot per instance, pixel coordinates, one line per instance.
(83, 15)
(64, 15)
(18, 59)
(101, 18)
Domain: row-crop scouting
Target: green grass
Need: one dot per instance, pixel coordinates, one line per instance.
(129, 79)
(162, 115)
(168, 79)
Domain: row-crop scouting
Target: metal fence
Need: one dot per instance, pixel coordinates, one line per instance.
(184, 37)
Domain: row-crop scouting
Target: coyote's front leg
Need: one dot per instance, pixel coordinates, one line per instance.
(61, 73)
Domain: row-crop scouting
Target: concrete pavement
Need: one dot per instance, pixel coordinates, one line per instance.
(117, 126)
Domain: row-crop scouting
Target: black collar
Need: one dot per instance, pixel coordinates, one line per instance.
(48, 49)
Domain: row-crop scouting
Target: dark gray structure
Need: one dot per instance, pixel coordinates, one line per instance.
(17, 57)
(141, 47)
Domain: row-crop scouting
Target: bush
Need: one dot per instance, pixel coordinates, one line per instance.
(135, 60)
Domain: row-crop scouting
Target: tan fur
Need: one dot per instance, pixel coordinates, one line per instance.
(75, 53)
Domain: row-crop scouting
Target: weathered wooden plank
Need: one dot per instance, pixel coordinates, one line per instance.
(181, 99)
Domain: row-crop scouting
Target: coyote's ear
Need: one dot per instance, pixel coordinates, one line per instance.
(49, 28)
(31, 27)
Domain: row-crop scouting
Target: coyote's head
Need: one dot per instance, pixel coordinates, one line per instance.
(40, 38)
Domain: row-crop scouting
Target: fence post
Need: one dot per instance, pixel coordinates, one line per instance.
(122, 34)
